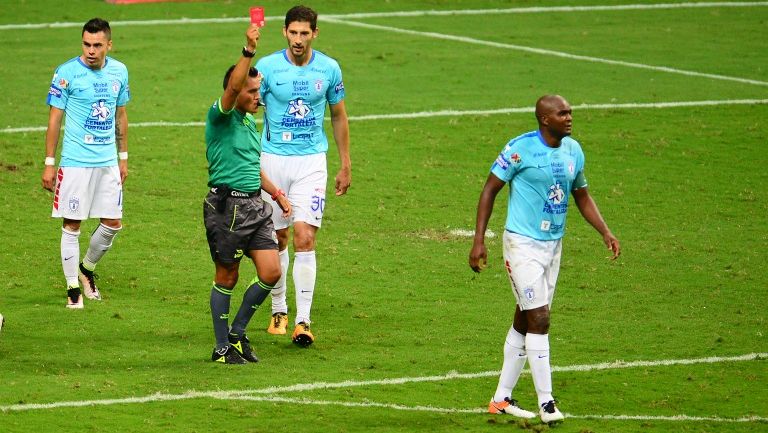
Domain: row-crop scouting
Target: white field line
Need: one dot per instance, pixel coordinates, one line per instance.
(406, 14)
(455, 113)
(446, 410)
(349, 384)
(547, 52)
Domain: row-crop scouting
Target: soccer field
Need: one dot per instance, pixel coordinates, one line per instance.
(669, 100)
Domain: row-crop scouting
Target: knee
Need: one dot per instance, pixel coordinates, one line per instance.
(303, 242)
(282, 239)
(538, 321)
(270, 277)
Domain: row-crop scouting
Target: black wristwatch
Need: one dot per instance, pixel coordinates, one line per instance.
(247, 53)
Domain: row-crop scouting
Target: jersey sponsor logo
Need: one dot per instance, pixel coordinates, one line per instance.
(556, 203)
(92, 139)
(287, 136)
(502, 162)
(556, 193)
(277, 83)
(100, 118)
(339, 87)
(54, 91)
(298, 114)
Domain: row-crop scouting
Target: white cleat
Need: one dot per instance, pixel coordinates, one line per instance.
(549, 413)
(509, 407)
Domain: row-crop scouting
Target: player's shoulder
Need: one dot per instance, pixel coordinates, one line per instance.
(523, 140)
(271, 59)
(571, 144)
(70, 66)
(116, 65)
(325, 59)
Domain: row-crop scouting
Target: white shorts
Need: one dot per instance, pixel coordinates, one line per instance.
(303, 178)
(532, 267)
(88, 192)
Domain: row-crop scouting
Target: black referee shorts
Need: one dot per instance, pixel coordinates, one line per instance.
(236, 225)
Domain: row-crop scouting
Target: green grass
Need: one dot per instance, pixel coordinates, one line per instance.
(681, 188)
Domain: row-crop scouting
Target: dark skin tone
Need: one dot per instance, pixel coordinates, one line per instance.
(555, 122)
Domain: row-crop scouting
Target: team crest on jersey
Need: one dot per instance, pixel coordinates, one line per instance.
(571, 168)
(556, 193)
(319, 85)
(115, 86)
(74, 204)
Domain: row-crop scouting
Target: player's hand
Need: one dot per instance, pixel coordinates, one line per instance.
(285, 205)
(252, 36)
(613, 245)
(123, 166)
(49, 177)
(478, 257)
(343, 181)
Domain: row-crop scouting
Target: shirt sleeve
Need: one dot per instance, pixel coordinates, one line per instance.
(125, 91)
(335, 92)
(58, 93)
(507, 163)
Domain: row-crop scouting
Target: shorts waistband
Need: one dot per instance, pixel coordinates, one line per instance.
(233, 192)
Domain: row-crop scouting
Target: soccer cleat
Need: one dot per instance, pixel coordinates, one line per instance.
(88, 280)
(549, 413)
(278, 324)
(509, 407)
(74, 298)
(243, 347)
(302, 336)
(227, 355)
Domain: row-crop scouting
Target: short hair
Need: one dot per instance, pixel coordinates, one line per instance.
(252, 72)
(301, 14)
(95, 25)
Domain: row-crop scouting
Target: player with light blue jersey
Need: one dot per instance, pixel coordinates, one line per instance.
(298, 84)
(89, 99)
(295, 99)
(541, 179)
(542, 168)
(89, 93)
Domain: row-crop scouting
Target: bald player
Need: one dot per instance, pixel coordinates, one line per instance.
(543, 168)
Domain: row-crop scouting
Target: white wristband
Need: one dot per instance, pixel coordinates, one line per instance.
(122, 155)
(49, 160)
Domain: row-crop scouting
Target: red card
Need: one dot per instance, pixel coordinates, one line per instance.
(257, 16)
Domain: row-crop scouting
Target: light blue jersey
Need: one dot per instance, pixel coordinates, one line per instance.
(541, 179)
(89, 99)
(295, 98)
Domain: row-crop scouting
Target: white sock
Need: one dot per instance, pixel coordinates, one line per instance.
(101, 242)
(279, 304)
(70, 256)
(514, 361)
(304, 274)
(537, 346)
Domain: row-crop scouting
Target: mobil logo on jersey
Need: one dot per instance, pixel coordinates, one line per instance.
(299, 113)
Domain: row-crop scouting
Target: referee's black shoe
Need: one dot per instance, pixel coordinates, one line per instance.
(227, 355)
(243, 347)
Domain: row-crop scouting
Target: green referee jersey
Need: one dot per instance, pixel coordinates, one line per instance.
(233, 149)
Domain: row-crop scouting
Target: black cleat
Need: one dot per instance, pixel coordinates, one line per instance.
(227, 355)
(243, 347)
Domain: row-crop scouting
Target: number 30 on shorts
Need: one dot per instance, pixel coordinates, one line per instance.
(318, 203)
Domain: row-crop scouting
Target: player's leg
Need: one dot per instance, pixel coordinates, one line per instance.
(275, 167)
(71, 202)
(107, 205)
(221, 295)
(309, 197)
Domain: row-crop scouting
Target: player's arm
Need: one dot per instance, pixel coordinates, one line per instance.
(240, 74)
(121, 137)
(478, 256)
(591, 213)
(340, 124)
(277, 194)
(55, 116)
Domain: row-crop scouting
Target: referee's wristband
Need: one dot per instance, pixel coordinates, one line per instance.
(122, 155)
(49, 160)
(277, 194)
